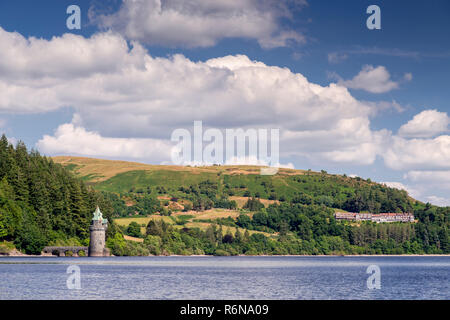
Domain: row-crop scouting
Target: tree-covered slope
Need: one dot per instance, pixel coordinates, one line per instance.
(297, 186)
(41, 203)
(298, 212)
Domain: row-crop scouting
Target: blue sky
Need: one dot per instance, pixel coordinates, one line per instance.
(382, 113)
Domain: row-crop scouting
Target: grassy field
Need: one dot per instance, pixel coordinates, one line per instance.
(133, 239)
(170, 179)
(142, 220)
(241, 201)
(190, 220)
(214, 213)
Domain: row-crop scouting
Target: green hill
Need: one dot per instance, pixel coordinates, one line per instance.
(301, 186)
(220, 210)
(291, 212)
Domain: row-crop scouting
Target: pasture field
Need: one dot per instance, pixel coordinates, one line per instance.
(142, 220)
(190, 220)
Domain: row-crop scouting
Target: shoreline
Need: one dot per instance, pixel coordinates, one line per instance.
(20, 254)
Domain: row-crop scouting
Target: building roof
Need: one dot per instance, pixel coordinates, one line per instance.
(98, 214)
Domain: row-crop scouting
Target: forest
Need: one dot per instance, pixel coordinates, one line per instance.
(42, 203)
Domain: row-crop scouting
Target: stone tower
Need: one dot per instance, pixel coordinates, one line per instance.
(98, 228)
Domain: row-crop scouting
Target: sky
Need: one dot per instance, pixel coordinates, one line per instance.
(346, 99)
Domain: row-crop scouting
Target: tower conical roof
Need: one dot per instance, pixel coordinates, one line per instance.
(98, 214)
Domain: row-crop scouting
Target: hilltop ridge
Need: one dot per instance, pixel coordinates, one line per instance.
(102, 169)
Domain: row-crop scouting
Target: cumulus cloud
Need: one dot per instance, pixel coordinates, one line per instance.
(69, 56)
(71, 140)
(137, 96)
(423, 186)
(198, 23)
(371, 79)
(419, 154)
(426, 124)
(437, 176)
(431, 185)
(38, 75)
(347, 140)
(137, 99)
(430, 180)
(427, 161)
(419, 146)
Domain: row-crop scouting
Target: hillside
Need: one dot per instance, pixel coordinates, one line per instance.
(220, 210)
(239, 181)
(98, 171)
(291, 212)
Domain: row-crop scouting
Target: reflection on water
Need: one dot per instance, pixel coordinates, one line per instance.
(225, 278)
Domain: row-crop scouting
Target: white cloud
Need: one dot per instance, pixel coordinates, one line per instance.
(13, 141)
(69, 56)
(392, 52)
(412, 191)
(408, 76)
(382, 106)
(140, 100)
(347, 140)
(417, 146)
(430, 181)
(396, 185)
(431, 186)
(71, 140)
(254, 161)
(38, 75)
(337, 57)
(419, 154)
(426, 124)
(374, 80)
(198, 23)
(440, 177)
(136, 95)
(439, 201)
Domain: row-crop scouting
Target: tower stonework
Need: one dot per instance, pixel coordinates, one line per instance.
(97, 239)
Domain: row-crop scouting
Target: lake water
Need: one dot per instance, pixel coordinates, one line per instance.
(225, 278)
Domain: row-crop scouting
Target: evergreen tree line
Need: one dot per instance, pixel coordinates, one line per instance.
(312, 222)
(41, 203)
